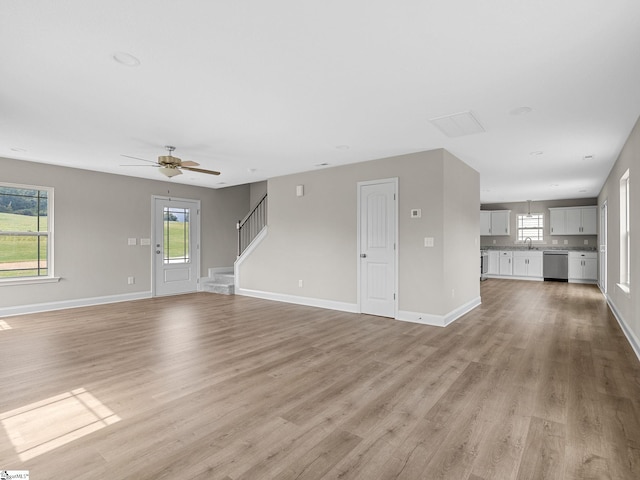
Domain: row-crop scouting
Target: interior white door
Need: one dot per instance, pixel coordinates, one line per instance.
(176, 246)
(603, 247)
(377, 249)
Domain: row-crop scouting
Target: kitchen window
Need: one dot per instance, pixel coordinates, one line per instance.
(26, 239)
(530, 226)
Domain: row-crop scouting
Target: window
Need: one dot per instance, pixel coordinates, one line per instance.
(26, 242)
(530, 226)
(625, 237)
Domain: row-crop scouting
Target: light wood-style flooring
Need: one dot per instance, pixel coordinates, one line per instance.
(538, 382)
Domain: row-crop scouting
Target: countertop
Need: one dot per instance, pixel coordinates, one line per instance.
(540, 248)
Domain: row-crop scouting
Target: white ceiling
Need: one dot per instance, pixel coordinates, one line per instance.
(258, 89)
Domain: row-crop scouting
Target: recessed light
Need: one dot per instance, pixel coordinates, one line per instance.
(554, 185)
(582, 191)
(588, 157)
(126, 59)
(221, 183)
(18, 150)
(251, 170)
(343, 147)
(325, 164)
(521, 111)
(536, 153)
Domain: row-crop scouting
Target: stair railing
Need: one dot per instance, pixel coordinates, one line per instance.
(251, 225)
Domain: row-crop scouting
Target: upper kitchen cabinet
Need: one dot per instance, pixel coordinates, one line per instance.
(495, 222)
(573, 220)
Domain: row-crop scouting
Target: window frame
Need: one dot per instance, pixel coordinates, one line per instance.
(625, 234)
(48, 234)
(519, 228)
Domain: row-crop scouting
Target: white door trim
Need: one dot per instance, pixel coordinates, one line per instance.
(155, 198)
(394, 182)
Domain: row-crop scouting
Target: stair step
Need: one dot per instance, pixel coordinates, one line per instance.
(227, 278)
(216, 287)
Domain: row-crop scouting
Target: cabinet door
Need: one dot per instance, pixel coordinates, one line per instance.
(557, 222)
(574, 221)
(520, 266)
(575, 267)
(590, 269)
(500, 223)
(506, 265)
(534, 267)
(485, 223)
(589, 220)
(494, 263)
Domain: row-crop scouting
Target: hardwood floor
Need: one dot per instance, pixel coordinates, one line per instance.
(537, 382)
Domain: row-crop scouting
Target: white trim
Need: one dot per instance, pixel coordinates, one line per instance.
(513, 277)
(78, 302)
(396, 193)
(247, 251)
(631, 336)
(310, 302)
(438, 320)
(28, 280)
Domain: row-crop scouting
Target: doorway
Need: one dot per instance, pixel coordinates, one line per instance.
(603, 247)
(377, 253)
(176, 246)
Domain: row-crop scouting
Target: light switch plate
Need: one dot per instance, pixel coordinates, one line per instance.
(428, 241)
(145, 241)
(132, 241)
(416, 213)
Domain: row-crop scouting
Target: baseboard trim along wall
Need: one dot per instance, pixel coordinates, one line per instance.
(78, 302)
(405, 316)
(438, 320)
(307, 301)
(631, 337)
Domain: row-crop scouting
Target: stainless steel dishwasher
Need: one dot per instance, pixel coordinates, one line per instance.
(555, 265)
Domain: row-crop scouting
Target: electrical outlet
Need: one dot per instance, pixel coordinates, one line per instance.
(131, 280)
(300, 283)
(566, 242)
(586, 242)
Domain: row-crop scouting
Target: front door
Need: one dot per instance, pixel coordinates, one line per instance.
(377, 247)
(176, 245)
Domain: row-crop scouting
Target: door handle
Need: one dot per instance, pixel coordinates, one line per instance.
(158, 252)
(363, 255)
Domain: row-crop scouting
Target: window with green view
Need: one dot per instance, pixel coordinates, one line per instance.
(25, 231)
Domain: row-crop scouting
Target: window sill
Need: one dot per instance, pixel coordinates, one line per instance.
(28, 280)
(625, 288)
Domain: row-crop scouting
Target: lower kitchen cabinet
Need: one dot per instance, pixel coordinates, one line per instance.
(583, 267)
(527, 264)
(494, 262)
(506, 263)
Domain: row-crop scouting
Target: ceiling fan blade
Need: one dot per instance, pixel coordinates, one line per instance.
(200, 170)
(189, 163)
(156, 166)
(137, 158)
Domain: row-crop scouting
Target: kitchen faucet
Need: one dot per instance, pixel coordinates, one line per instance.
(530, 242)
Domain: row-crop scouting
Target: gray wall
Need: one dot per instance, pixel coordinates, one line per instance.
(540, 207)
(95, 213)
(626, 306)
(257, 190)
(314, 237)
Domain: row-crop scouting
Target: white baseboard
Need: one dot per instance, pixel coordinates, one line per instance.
(79, 302)
(309, 302)
(438, 320)
(631, 337)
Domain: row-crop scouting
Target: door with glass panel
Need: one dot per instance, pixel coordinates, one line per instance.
(176, 246)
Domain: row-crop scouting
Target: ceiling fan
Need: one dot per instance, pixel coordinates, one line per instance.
(171, 166)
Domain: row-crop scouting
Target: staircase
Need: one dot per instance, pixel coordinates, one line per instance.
(219, 282)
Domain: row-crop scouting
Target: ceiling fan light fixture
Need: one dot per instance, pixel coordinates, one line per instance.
(169, 172)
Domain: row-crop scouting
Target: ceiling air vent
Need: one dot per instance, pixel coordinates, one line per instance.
(458, 124)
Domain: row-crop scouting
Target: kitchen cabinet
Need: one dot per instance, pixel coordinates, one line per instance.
(494, 262)
(527, 264)
(495, 222)
(573, 220)
(506, 263)
(485, 222)
(583, 266)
